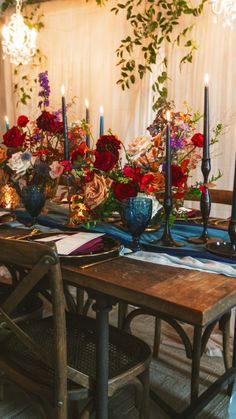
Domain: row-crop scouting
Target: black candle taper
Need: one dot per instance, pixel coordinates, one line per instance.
(87, 120)
(206, 131)
(65, 128)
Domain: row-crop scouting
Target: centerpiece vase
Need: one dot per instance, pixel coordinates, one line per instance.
(33, 199)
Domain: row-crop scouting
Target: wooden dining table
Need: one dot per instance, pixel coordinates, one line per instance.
(173, 294)
(197, 298)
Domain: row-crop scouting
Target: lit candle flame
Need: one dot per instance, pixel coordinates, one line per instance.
(63, 90)
(206, 79)
(87, 103)
(101, 110)
(168, 116)
(6, 119)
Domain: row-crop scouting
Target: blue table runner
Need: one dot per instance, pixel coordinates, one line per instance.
(58, 216)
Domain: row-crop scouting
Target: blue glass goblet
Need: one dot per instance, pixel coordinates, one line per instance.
(33, 199)
(136, 214)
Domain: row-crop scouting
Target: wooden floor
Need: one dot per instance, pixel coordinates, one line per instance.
(169, 377)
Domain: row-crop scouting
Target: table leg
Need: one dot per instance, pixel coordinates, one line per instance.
(196, 357)
(102, 309)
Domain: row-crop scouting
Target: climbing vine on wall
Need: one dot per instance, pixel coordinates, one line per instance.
(152, 25)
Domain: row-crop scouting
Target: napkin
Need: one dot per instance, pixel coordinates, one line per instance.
(74, 244)
(94, 246)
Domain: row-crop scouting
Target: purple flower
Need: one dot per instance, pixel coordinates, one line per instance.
(45, 92)
(36, 137)
(176, 142)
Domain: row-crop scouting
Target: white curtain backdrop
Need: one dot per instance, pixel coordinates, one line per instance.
(80, 39)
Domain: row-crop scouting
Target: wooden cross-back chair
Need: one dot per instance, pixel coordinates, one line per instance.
(54, 357)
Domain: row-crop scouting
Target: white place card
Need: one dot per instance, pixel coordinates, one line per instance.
(51, 238)
(69, 244)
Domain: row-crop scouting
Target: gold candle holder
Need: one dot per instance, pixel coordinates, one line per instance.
(9, 198)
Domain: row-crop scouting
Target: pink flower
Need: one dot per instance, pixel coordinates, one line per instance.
(56, 170)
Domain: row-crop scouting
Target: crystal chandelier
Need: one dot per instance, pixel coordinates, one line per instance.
(225, 7)
(19, 41)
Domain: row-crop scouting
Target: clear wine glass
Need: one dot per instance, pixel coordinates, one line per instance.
(136, 213)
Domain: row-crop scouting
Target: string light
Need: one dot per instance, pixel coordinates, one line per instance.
(19, 41)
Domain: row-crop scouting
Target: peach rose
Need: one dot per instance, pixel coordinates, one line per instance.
(96, 191)
(138, 145)
(56, 170)
(3, 154)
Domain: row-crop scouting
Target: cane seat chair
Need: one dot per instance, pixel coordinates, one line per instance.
(54, 357)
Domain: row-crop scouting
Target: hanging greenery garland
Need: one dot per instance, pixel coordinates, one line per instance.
(152, 25)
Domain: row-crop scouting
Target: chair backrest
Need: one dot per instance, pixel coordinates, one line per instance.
(218, 196)
(32, 261)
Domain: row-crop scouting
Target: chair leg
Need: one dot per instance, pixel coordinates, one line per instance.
(224, 325)
(122, 313)
(157, 337)
(145, 409)
(87, 410)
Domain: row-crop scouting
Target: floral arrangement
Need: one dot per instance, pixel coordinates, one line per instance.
(102, 180)
(148, 154)
(33, 151)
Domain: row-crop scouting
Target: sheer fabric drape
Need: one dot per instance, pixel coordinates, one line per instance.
(80, 39)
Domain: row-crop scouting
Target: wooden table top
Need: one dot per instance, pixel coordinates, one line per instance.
(191, 296)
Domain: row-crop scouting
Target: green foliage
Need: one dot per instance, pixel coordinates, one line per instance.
(152, 23)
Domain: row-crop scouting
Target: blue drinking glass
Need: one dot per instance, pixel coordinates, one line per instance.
(136, 214)
(33, 199)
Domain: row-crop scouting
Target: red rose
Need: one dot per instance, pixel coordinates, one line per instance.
(79, 152)
(133, 172)
(178, 177)
(105, 160)
(88, 175)
(22, 121)
(198, 139)
(13, 137)
(48, 122)
(146, 182)
(108, 143)
(124, 190)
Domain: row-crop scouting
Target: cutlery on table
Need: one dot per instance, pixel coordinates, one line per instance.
(32, 233)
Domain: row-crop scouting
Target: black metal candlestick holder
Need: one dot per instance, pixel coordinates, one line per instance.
(166, 239)
(205, 206)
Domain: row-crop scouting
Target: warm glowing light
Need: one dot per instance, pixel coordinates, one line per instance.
(101, 110)
(226, 8)
(168, 116)
(206, 79)
(87, 103)
(63, 90)
(6, 119)
(19, 41)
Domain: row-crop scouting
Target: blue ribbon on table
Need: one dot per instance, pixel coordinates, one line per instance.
(57, 217)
